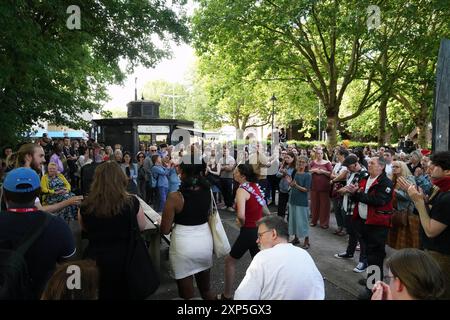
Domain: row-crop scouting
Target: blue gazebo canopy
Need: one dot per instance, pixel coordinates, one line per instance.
(59, 134)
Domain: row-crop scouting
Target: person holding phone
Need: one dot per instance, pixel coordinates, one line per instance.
(435, 220)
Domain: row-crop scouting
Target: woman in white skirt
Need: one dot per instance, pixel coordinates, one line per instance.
(298, 203)
(185, 216)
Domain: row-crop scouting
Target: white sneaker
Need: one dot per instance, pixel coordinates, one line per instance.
(230, 209)
(361, 267)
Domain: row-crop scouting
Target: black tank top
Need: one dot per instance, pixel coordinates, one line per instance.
(195, 209)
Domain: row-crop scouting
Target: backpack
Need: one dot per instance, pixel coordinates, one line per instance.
(15, 282)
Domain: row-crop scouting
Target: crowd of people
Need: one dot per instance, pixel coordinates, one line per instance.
(85, 190)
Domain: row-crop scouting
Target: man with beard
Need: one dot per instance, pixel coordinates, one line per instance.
(281, 271)
(32, 156)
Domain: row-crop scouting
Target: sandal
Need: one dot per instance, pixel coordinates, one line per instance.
(324, 227)
(306, 246)
(338, 230)
(222, 297)
(341, 233)
(313, 224)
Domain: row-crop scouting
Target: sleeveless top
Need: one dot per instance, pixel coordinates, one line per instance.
(110, 231)
(197, 204)
(253, 207)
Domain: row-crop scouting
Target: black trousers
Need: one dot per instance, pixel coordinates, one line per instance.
(226, 187)
(283, 199)
(355, 228)
(274, 185)
(375, 238)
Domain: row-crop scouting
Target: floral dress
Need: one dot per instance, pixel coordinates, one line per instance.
(68, 213)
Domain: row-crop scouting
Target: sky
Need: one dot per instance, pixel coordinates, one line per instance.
(171, 70)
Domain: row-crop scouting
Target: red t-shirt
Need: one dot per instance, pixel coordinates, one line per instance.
(321, 182)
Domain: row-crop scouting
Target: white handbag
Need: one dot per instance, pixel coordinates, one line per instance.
(221, 245)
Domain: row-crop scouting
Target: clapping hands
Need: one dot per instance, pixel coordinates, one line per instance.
(414, 192)
(352, 188)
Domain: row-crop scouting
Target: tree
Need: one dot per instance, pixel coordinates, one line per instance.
(173, 98)
(415, 90)
(240, 102)
(51, 73)
(408, 65)
(323, 43)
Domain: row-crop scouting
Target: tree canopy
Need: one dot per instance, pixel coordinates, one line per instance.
(327, 45)
(52, 73)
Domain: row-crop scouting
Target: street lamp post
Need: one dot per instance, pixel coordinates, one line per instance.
(173, 96)
(273, 99)
(320, 133)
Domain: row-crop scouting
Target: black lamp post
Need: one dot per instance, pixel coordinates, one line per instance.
(273, 99)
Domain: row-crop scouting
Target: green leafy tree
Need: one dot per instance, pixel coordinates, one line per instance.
(415, 90)
(322, 42)
(327, 44)
(51, 73)
(173, 98)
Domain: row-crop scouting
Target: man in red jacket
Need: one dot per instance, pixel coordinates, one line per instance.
(373, 197)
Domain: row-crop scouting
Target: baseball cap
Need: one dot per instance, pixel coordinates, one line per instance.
(22, 180)
(349, 160)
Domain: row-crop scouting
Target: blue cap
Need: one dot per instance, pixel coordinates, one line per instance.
(21, 180)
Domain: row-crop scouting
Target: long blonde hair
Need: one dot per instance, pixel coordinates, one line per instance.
(404, 172)
(108, 194)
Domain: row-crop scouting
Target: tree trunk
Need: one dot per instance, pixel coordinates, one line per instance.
(382, 122)
(332, 124)
(422, 126)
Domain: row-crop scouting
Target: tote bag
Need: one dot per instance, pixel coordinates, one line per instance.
(142, 278)
(221, 245)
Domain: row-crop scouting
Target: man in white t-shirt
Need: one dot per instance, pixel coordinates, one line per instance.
(227, 164)
(281, 271)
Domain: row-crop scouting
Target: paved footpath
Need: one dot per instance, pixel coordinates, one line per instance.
(341, 283)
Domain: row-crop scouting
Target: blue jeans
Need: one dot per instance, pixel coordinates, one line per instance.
(162, 194)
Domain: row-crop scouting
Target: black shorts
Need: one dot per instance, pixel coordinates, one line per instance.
(245, 241)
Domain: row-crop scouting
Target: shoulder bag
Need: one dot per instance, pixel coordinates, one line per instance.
(221, 245)
(142, 278)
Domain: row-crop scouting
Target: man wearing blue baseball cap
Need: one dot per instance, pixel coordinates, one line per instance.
(53, 240)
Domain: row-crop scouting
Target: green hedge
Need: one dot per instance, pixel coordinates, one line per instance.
(310, 144)
(303, 144)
